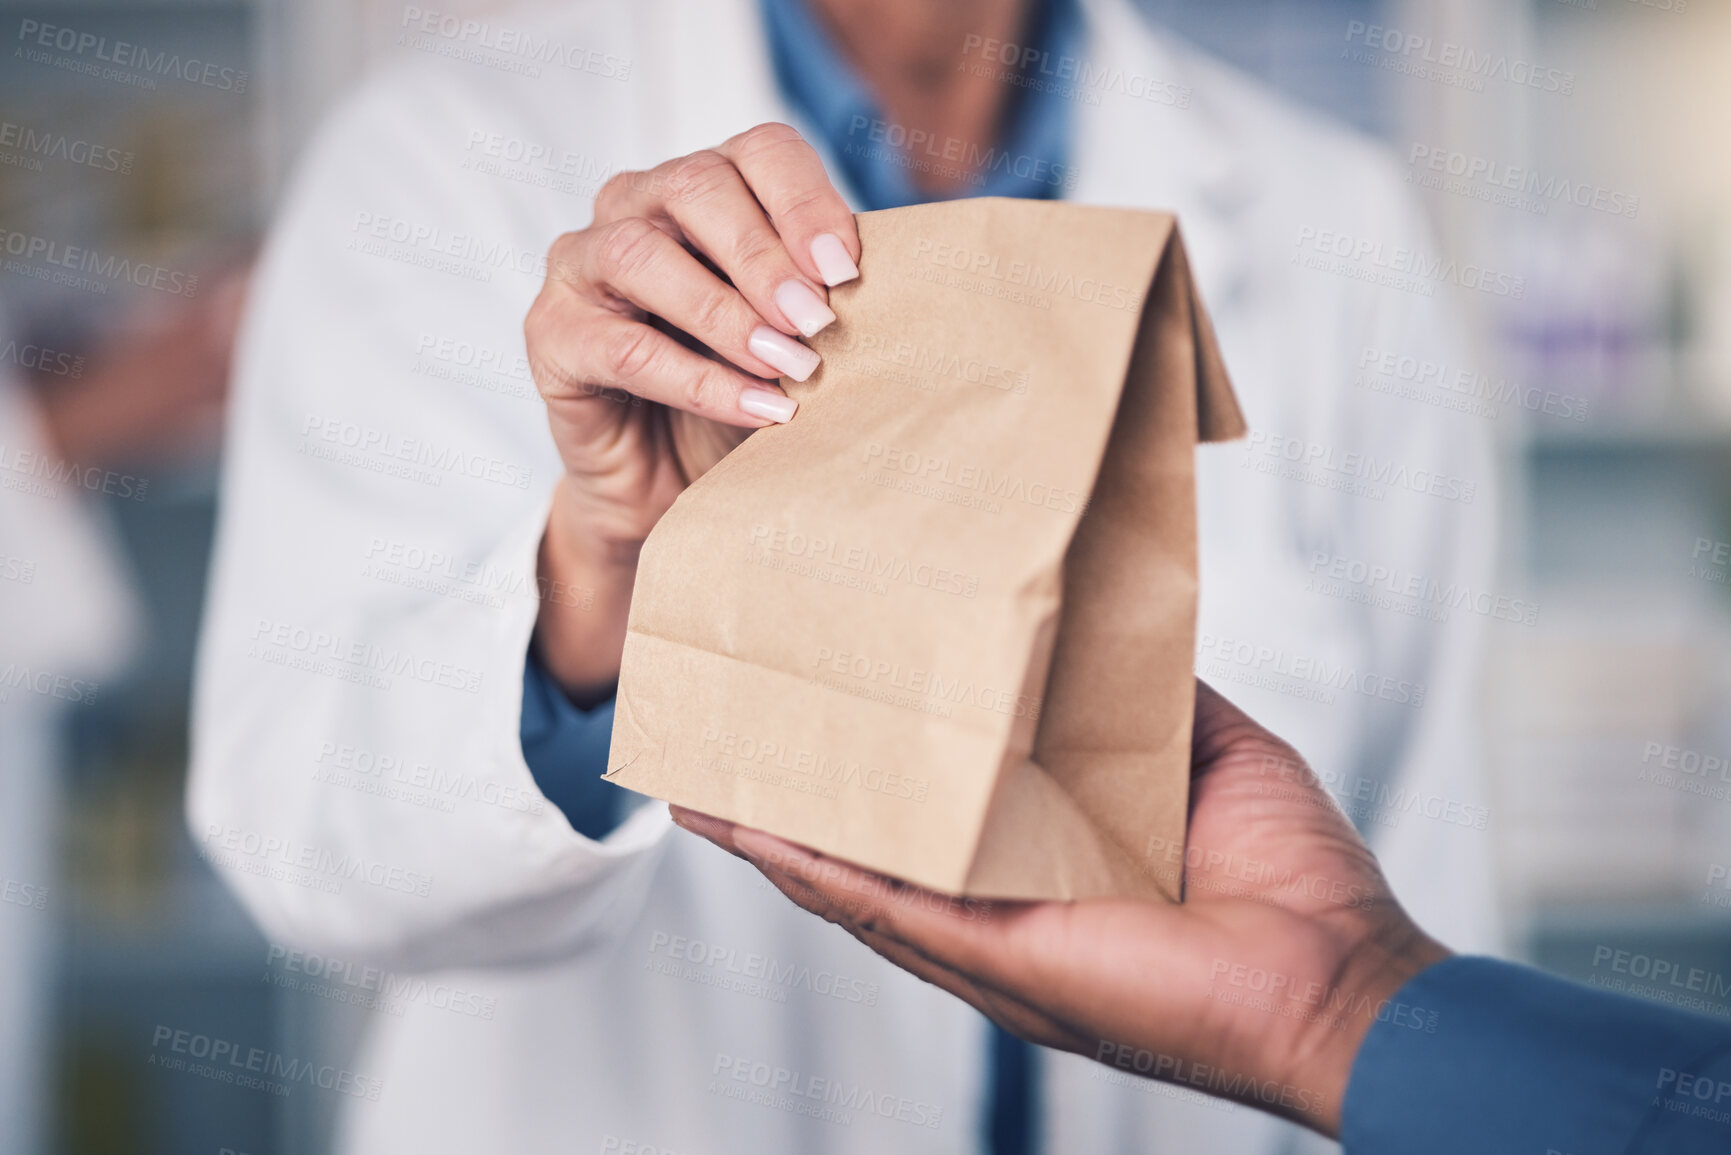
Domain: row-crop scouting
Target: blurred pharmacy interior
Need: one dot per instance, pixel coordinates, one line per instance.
(1608, 386)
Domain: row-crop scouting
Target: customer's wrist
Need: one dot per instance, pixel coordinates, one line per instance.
(1372, 976)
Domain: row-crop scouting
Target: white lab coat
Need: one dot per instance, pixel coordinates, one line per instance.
(67, 623)
(377, 488)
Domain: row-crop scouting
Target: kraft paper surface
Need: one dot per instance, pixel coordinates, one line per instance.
(942, 623)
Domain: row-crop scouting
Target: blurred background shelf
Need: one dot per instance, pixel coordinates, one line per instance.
(1682, 920)
(1683, 433)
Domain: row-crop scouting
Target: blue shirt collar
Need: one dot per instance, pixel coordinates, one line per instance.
(876, 157)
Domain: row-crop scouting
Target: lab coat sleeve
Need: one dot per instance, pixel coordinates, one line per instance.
(358, 775)
(1420, 791)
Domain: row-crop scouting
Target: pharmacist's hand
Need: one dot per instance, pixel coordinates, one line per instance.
(1260, 987)
(656, 341)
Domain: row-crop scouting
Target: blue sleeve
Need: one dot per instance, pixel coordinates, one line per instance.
(566, 749)
(1475, 1055)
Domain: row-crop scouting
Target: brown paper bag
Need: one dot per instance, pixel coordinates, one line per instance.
(942, 623)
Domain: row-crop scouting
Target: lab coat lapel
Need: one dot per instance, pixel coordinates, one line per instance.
(1143, 154)
(710, 77)
(705, 72)
(713, 77)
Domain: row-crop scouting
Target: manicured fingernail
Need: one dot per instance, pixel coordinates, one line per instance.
(788, 356)
(767, 403)
(803, 307)
(832, 260)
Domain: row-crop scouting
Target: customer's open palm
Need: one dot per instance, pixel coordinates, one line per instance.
(1259, 986)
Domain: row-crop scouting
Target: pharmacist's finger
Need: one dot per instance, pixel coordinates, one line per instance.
(788, 179)
(632, 262)
(619, 352)
(703, 201)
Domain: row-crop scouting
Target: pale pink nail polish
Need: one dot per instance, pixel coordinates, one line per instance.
(832, 259)
(803, 307)
(767, 404)
(789, 357)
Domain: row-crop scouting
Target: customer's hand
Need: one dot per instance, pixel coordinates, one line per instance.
(655, 343)
(1259, 988)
